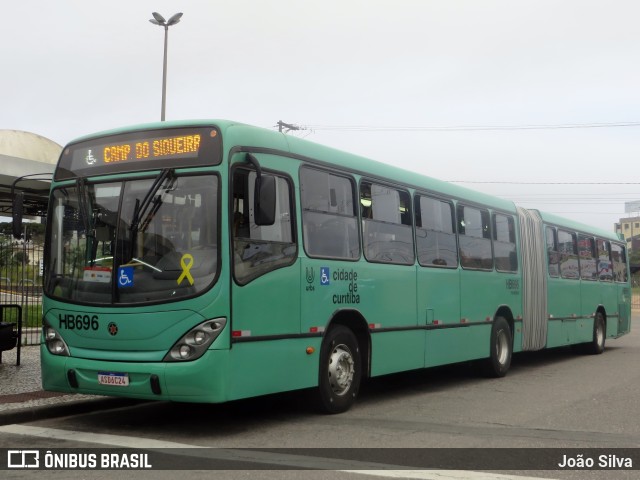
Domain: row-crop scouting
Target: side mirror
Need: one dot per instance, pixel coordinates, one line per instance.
(17, 209)
(264, 207)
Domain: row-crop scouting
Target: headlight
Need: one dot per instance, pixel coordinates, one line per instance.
(53, 340)
(196, 341)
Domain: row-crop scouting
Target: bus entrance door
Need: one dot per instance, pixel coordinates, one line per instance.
(439, 306)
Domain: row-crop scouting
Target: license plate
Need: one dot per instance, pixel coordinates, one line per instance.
(113, 379)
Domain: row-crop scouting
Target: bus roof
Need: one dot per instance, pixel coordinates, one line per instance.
(577, 226)
(236, 134)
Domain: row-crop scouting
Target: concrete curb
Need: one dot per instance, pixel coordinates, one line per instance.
(32, 414)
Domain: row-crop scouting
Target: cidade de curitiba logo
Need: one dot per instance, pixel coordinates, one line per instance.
(81, 460)
(342, 283)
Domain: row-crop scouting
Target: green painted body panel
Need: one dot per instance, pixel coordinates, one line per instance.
(321, 300)
(563, 297)
(624, 310)
(517, 337)
(591, 293)
(438, 296)
(259, 368)
(481, 293)
(269, 305)
(144, 334)
(397, 351)
(452, 345)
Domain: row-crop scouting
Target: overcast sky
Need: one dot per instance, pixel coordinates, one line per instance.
(409, 73)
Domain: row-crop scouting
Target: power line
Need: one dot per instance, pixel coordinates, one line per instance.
(542, 183)
(458, 128)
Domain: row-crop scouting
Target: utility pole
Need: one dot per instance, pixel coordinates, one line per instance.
(159, 20)
(288, 126)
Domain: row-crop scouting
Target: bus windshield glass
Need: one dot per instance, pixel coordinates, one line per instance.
(135, 241)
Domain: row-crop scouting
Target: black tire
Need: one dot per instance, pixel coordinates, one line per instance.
(499, 361)
(596, 346)
(340, 371)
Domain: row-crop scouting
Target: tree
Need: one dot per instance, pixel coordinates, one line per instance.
(20, 256)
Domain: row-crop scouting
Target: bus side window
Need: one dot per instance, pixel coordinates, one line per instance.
(386, 224)
(474, 234)
(605, 267)
(329, 218)
(553, 257)
(435, 232)
(260, 249)
(586, 250)
(504, 243)
(568, 249)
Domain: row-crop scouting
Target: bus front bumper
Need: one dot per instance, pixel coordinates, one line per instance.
(202, 380)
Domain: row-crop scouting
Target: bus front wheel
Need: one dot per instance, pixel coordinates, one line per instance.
(499, 361)
(340, 370)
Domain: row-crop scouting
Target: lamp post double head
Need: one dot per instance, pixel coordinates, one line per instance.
(159, 20)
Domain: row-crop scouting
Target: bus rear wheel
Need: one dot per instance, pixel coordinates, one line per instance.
(596, 346)
(499, 361)
(340, 370)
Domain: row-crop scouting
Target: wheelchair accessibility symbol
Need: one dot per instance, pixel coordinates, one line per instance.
(125, 277)
(324, 276)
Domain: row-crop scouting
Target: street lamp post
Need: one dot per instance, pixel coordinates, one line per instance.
(159, 20)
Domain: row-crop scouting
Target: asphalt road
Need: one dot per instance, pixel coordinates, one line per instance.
(553, 399)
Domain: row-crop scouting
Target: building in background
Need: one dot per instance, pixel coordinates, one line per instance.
(630, 229)
(25, 153)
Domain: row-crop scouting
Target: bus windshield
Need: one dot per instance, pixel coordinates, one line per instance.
(132, 242)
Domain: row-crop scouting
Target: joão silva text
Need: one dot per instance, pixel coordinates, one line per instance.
(604, 461)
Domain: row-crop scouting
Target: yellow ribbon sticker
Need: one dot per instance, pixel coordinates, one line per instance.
(186, 262)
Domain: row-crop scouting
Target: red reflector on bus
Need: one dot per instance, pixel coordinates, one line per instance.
(436, 322)
(316, 329)
(373, 326)
(241, 333)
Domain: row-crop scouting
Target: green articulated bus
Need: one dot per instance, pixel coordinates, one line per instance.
(211, 261)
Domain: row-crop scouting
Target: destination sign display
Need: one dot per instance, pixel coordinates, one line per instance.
(135, 151)
(183, 146)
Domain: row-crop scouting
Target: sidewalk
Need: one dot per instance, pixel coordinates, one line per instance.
(21, 394)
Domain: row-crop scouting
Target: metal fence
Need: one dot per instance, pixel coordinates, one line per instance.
(21, 284)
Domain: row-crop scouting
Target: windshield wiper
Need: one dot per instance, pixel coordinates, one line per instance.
(86, 212)
(82, 204)
(140, 210)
